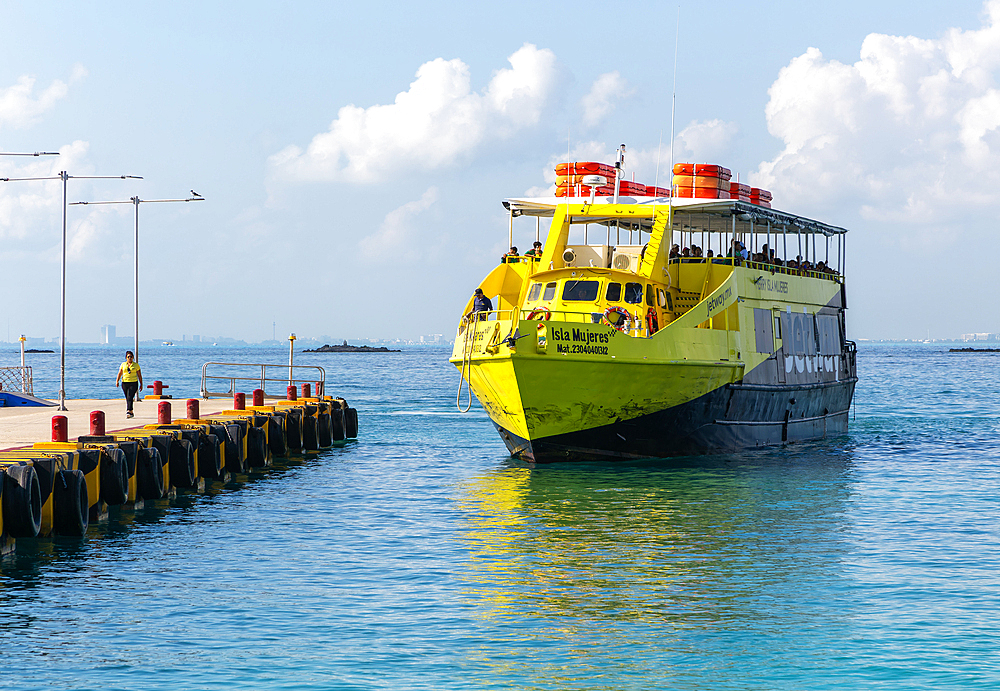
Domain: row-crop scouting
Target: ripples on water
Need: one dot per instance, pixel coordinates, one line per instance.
(422, 557)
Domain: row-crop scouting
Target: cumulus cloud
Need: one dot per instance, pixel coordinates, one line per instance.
(27, 205)
(397, 230)
(605, 93)
(20, 106)
(439, 121)
(709, 140)
(908, 133)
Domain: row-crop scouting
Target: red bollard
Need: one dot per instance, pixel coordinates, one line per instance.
(158, 387)
(192, 409)
(258, 397)
(319, 389)
(291, 394)
(97, 423)
(240, 401)
(306, 391)
(163, 413)
(60, 428)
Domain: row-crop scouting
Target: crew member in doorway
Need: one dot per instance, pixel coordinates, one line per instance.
(481, 304)
(130, 378)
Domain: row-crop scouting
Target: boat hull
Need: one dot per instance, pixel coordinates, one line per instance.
(733, 417)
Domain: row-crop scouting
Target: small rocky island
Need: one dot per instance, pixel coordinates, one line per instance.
(350, 349)
(974, 350)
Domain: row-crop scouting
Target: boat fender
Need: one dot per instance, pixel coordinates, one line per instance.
(256, 447)
(71, 503)
(624, 324)
(210, 456)
(351, 423)
(540, 313)
(149, 474)
(337, 424)
(114, 476)
(22, 501)
(652, 323)
(182, 472)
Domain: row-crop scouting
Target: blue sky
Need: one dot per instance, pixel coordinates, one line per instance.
(354, 155)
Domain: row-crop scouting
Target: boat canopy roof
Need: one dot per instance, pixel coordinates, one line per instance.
(690, 214)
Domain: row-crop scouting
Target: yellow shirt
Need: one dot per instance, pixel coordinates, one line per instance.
(129, 371)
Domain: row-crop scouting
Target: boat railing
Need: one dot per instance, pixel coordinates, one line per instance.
(637, 326)
(17, 379)
(223, 379)
(828, 275)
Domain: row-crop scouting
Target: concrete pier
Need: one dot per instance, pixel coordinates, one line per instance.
(23, 426)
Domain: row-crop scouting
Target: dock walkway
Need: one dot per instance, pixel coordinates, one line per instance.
(22, 426)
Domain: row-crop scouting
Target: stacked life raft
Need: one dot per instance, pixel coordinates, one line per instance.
(57, 488)
(691, 180)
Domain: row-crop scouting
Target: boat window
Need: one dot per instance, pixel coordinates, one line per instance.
(633, 293)
(650, 296)
(550, 291)
(661, 297)
(614, 293)
(536, 288)
(581, 290)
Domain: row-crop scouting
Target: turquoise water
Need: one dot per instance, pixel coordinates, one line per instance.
(421, 556)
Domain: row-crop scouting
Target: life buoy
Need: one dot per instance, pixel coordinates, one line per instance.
(540, 313)
(624, 324)
(585, 168)
(705, 181)
(706, 169)
(652, 322)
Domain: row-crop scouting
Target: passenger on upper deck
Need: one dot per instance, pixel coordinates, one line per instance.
(675, 251)
(481, 304)
(511, 257)
(738, 250)
(535, 251)
(696, 251)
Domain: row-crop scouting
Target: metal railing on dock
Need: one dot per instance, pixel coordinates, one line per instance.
(17, 379)
(258, 376)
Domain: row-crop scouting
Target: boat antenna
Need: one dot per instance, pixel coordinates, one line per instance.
(673, 110)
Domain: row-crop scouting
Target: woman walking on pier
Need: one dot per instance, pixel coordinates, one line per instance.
(130, 377)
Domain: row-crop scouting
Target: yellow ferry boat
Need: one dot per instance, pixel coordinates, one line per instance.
(608, 347)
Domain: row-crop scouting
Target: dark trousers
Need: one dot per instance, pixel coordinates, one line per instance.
(130, 388)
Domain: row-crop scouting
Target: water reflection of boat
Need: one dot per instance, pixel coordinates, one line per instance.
(675, 546)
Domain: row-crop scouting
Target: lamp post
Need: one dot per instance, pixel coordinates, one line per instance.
(136, 201)
(291, 356)
(64, 176)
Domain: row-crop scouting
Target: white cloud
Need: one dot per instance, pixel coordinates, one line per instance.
(604, 95)
(910, 132)
(706, 141)
(438, 122)
(25, 206)
(20, 107)
(394, 237)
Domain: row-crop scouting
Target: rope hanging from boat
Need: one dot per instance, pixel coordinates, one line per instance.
(467, 346)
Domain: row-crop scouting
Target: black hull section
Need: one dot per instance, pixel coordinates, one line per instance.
(735, 416)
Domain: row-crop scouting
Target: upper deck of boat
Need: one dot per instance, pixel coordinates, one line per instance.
(694, 214)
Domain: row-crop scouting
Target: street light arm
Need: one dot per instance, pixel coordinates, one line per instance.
(104, 177)
(50, 177)
(37, 153)
(141, 201)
